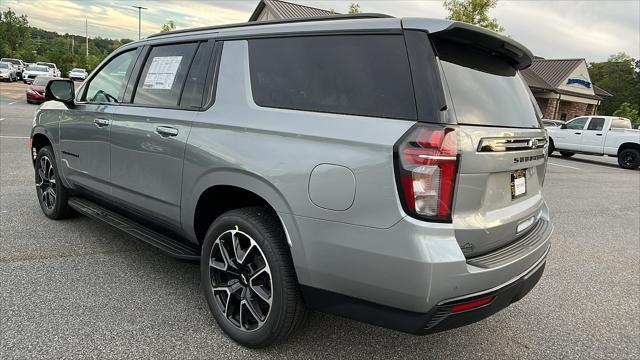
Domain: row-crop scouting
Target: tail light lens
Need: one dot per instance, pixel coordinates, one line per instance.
(427, 163)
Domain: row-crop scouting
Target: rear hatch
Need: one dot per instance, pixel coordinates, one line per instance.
(501, 144)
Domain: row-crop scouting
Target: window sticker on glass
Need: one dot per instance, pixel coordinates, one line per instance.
(162, 72)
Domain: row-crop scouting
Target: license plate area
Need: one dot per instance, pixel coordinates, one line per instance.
(518, 183)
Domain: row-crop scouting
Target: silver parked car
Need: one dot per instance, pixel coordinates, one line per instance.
(8, 72)
(384, 169)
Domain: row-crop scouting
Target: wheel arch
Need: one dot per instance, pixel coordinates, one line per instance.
(628, 145)
(224, 190)
(38, 141)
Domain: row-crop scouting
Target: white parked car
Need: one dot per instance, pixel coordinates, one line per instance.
(77, 74)
(598, 135)
(34, 71)
(17, 63)
(8, 72)
(54, 69)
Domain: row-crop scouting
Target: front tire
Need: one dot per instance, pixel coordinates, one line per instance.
(248, 278)
(567, 153)
(52, 195)
(629, 159)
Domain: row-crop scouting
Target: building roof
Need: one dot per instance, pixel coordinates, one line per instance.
(548, 74)
(600, 91)
(534, 80)
(554, 71)
(287, 10)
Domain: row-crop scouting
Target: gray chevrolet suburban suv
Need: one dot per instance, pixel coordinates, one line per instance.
(383, 169)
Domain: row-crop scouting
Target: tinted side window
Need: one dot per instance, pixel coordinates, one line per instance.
(194, 87)
(108, 83)
(164, 74)
(349, 74)
(596, 124)
(577, 124)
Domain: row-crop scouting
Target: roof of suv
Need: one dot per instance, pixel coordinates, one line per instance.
(445, 29)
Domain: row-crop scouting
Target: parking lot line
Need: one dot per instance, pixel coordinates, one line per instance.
(13, 137)
(566, 166)
(11, 103)
(1, 119)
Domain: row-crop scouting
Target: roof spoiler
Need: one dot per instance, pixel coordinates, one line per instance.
(514, 52)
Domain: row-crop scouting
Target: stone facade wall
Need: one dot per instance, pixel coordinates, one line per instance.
(550, 108)
(569, 110)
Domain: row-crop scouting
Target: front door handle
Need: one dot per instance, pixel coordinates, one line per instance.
(166, 131)
(598, 134)
(577, 133)
(101, 122)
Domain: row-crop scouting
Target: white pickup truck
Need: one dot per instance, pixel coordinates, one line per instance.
(598, 135)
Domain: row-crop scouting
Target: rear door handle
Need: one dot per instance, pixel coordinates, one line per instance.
(166, 131)
(101, 122)
(598, 134)
(577, 133)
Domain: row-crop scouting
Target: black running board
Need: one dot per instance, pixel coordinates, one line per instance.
(163, 243)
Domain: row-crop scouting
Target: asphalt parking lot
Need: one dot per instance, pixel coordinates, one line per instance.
(79, 289)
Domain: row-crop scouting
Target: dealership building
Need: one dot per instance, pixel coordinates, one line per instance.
(562, 87)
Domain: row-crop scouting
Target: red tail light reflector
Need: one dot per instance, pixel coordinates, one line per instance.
(472, 304)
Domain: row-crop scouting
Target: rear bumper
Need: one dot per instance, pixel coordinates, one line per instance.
(403, 276)
(440, 318)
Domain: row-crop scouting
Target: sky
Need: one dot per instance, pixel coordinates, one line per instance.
(592, 29)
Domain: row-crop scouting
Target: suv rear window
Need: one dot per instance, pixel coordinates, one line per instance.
(485, 89)
(364, 75)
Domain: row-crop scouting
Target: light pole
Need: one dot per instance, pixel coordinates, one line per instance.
(140, 8)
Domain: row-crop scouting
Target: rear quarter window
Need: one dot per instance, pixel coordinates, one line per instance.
(364, 75)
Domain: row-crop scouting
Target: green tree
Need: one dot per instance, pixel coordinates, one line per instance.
(171, 25)
(14, 33)
(354, 8)
(629, 111)
(474, 12)
(619, 76)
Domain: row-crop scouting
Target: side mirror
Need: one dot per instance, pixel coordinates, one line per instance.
(563, 126)
(61, 90)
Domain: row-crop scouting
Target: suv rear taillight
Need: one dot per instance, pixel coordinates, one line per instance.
(426, 165)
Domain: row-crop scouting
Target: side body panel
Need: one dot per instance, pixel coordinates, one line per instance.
(272, 152)
(592, 141)
(146, 164)
(84, 146)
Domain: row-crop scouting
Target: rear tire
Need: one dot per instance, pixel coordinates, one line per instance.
(253, 292)
(567, 153)
(552, 147)
(629, 159)
(52, 195)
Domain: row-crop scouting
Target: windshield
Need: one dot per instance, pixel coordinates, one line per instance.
(49, 65)
(38, 68)
(41, 81)
(77, 70)
(485, 89)
(4, 66)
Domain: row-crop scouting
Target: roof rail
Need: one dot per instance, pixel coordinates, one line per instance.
(270, 22)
